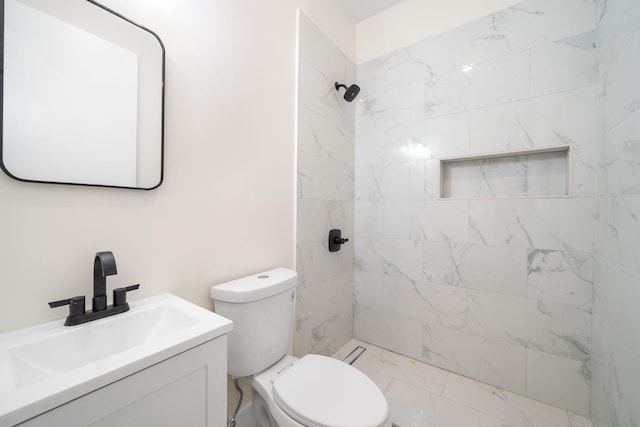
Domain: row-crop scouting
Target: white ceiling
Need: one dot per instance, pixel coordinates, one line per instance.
(362, 9)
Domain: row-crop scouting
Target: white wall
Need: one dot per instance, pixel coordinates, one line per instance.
(413, 20)
(226, 208)
(334, 23)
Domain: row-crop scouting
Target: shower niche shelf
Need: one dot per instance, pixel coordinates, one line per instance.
(528, 173)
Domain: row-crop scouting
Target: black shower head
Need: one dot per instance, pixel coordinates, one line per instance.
(351, 93)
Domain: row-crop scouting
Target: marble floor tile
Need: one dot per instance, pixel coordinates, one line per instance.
(418, 374)
(421, 395)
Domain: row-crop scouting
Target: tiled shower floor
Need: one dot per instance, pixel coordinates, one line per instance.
(421, 395)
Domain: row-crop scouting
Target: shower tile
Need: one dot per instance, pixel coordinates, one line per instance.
(421, 394)
(431, 138)
(323, 316)
(512, 408)
(615, 372)
(391, 71)
(388, 331)
(496, 269)
(563, 223)
(431, 220)
(618, 22)
(435, 305)
(561, 276)
(418, 62)
(584, 164)
(545, 326)
(620, 158)
(367, 290)
(400, 105)
(499, 81)
(528, 24)
(444, 221)
(369, 219)
(368, 183)
(413, 372)
(557, 119)
(559, 381)
(332, 180)
(324, 179)
(327, 265)
(321, 137)
(443, 263)
(402, 181)
(320, 95)
(371, 75)
(392, 257)
(616, 299)
(398, 181)
(370, 148)
(432, 179)
(317, 216)
(442, 53)
(422, 140)
(304, 264)
(371, 364)
(487, 360)
(437, 410)
(617, 229)
(578, 420)
(620, 91)
(564, 65)
(306, 175)
(446, 94)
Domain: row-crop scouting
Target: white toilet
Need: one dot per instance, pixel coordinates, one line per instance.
(314, 391)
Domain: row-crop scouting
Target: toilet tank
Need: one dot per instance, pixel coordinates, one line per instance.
(261, 308)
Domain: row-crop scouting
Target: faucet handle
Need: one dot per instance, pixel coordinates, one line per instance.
(120, 294)
(76, 305)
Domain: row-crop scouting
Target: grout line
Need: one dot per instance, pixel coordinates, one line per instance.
(444, 384)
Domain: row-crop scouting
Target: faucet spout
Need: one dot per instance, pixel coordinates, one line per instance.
(104, 265)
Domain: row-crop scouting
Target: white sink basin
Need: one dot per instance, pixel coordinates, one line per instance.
(46, 365)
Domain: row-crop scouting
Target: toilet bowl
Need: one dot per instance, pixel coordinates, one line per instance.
(313, 391)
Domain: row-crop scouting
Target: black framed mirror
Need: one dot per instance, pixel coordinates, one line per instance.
(82, 95)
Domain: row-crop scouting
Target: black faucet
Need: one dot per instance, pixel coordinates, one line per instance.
(104, 265)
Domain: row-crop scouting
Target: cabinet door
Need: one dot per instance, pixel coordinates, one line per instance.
(186, 390)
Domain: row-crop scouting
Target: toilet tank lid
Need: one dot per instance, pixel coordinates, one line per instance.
(255, 287)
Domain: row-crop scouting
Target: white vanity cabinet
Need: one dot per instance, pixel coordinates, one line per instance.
(188, 389)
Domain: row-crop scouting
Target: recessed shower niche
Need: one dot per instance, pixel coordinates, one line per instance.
(539, 172)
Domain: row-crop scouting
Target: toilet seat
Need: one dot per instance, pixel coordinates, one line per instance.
(320, 391)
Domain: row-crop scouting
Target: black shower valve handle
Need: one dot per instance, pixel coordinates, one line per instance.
(336, 240)
(339, 240)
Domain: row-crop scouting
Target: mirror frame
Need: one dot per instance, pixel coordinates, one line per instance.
(162, 109)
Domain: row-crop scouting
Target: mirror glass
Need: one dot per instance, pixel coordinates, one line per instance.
(82, 95)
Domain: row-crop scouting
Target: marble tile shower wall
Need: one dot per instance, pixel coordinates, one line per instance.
(616, 318)
(499, 290)
(324, 306)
